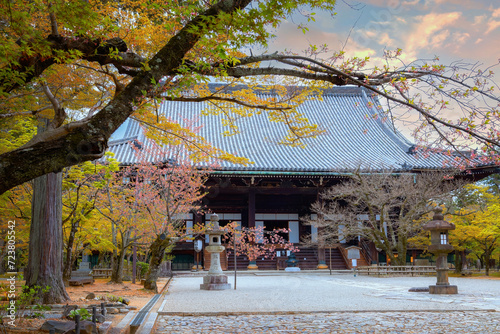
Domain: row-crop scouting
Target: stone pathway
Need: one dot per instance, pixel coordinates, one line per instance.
(455, 322)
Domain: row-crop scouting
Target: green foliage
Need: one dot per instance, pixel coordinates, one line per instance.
(143, 268)
(477, 224)
(21, 130)
(25, 305)
(113, 298)
(82, 312)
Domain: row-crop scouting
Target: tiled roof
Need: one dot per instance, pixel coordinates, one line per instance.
(352, 139)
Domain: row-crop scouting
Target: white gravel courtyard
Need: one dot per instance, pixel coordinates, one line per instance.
(308, 292)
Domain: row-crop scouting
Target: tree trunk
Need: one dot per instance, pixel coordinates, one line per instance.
(458, 262)
(117, 272)
(46, 242)
(402, 249)
(487, 257)
(463, 255)
(68, 264)
(118, 261)
(157, 250)
(114, 256)
(127, 266)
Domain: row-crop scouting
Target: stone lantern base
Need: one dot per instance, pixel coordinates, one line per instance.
(215, 282)
(443, 289)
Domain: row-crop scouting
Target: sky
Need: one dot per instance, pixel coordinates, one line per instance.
(466, 30)
(453, 30)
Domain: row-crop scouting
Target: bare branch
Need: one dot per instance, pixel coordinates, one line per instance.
(60, 113)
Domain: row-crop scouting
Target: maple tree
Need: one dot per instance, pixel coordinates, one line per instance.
(15, 206)
(477, 225)
(79, 191)
(384, 208)
(108, 60)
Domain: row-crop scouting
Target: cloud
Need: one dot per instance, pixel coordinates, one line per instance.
(292, 38)
(450, 29)
(430, 31)
(385, 39)
(464, 3)
(480, 19)
(492, 25)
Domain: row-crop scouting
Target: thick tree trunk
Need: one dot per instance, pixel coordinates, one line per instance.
(463, 256)
(45, 248)
(157, 250)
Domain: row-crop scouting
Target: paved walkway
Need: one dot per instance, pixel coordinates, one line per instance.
(320, 303)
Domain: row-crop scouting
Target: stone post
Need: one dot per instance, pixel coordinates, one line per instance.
(215, 279)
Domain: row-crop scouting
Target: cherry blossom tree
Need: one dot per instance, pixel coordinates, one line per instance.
(255, 242)
(169, 186)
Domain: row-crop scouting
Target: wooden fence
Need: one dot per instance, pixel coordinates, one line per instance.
(397, 270)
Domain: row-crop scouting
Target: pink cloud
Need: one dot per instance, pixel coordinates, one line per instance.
(430, 31)
(492, 25)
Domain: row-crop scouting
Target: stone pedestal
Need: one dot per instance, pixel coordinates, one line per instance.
(292, 269)
(217, 282)
(443, 289)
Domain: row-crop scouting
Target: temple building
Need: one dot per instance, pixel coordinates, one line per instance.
(278, 188)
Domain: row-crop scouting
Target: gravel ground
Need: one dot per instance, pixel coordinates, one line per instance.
(313, 303)
(456, 322)
(315, 293)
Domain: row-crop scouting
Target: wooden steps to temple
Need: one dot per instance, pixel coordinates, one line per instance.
(334, 258)
(241, 261)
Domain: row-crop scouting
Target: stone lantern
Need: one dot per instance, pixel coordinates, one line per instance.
(215, 279)
(440, 247)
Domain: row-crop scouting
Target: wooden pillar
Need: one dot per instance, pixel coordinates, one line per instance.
(251, 207)
(321, 243)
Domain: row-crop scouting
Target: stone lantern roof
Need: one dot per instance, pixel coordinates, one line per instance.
(438, 222)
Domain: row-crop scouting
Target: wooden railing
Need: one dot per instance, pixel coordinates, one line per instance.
(365, 251)
(397, 270)
(101, 272)
(343, 252)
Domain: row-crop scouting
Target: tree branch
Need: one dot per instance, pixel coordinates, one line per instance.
(60, 114)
